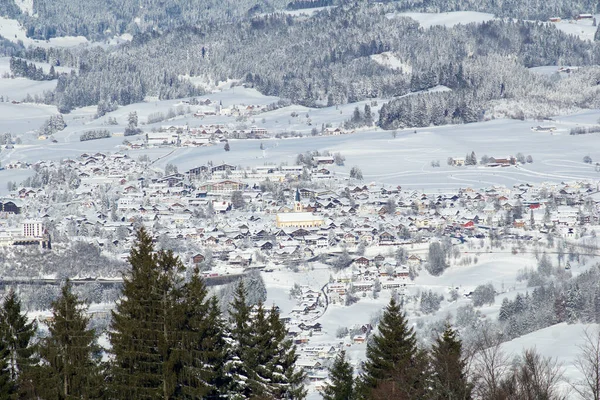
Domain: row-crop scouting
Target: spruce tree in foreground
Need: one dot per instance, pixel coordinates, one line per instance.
(341, 386)
(394, 368)
(16, 335)
(449, 379)
(263, 362)
(288, 379)
(70, 354)
(7, 385)
(204, 350)
(145, 339)
(241, 337)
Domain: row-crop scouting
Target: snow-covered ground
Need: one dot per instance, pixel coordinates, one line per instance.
(404, 160)
(427, 20)
(584, 29)
(305, 11)
(553, 69)
(26, 6)
(12, 30)
(560, 342)
(388, 59)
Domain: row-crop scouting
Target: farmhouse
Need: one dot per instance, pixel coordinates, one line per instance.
(458, 162)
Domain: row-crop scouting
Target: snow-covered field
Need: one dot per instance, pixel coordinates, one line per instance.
(584, 29)
(404, 160)
(561, 342)
(427, 20)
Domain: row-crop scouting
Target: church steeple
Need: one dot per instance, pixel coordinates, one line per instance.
(297, 203)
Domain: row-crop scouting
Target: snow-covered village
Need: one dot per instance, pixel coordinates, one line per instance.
(300, 200)
(314, 242)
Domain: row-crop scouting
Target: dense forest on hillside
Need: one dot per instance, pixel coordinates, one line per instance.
(327, 59)
(321, 60)
(105, 18)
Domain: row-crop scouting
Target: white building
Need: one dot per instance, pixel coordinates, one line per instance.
(33, 228)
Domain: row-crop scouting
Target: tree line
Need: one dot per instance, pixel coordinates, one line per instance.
(397, 367)
(94, 134)
(24, 69)
(168, 340)
(338, 70)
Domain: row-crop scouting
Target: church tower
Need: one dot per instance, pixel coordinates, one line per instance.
(297, 203)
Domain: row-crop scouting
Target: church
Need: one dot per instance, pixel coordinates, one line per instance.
(298, 218)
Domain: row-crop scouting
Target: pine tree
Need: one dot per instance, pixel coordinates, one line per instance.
(394, 368)
(70, 367)
(368, 119)
(16, 334)
(288, 379)
(449, 368)
(7, 385)
(241, 336)
(259, 358)
(204, 349)
(144, 335)
(341, 386)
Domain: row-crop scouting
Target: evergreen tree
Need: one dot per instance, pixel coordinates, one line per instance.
(70, 354)
(132, 120)
(241, 336)
(368, 119)
(395, 367)
(16, 335)
(449, 375)
(7, 385)
(144, 336)
(204, 349)
(227, 147)
(342, 382)
(288, 379)
(259, 358)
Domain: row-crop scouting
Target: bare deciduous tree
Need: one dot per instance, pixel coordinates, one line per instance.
(490, 365)
(537, 377)
(588, 364)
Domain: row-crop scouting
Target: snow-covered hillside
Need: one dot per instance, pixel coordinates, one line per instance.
(404, 160)
(12, 30)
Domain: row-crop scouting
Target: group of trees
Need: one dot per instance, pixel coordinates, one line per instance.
(555, 299)
(397, 368)
(437, 259)
(52, 125)
(338, 70)
(581, 130)
(22, 68)
(168, 339)
(94, 134)
(360, 119)
(356, 173)
(132, 125)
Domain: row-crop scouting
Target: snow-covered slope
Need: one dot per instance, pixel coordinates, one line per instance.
(449, 19)
(13, 31)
